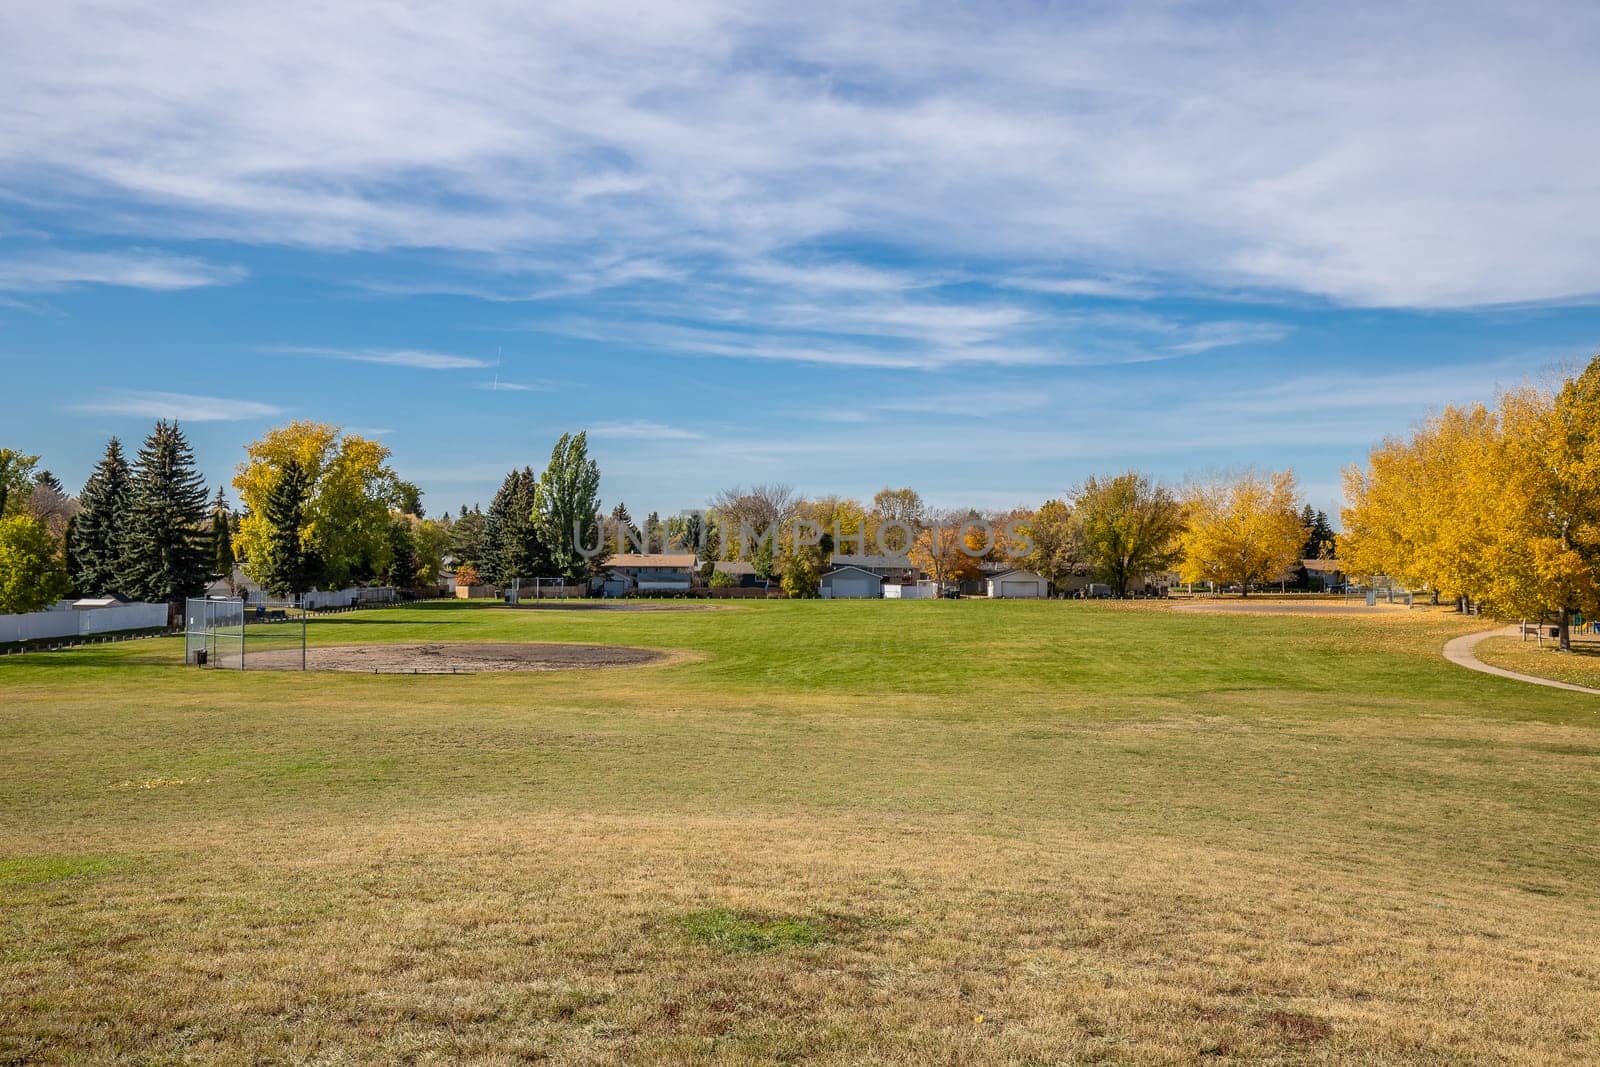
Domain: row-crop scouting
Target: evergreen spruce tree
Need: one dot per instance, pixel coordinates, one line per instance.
(1325, 536)
(655, 533)
(498, 515)
(97, 542)
(624, 534)
(1320, 537)
(509, 546)
(516, 547)
(221, 537)
(287, 568)
(467, 537)
(167, 557)
(49, 481)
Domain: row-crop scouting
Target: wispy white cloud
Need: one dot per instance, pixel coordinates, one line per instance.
(1095, 287)
(642, 430)
(48, 270)
(397, 357)
(512, 387)
(1279, 148)
(1204, 336)
(184, 407)
(823, 350)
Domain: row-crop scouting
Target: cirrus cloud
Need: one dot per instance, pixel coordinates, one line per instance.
(1374, 154)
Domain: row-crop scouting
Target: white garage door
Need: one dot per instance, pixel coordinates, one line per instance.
(1019, 588)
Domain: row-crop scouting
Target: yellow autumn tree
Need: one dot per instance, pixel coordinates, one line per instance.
(1245, 530)
(1502, 506)
(1416, 511)
(1542, 503)
(944, 548)
(350, 489)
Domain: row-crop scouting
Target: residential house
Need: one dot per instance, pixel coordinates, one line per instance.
(650, 572)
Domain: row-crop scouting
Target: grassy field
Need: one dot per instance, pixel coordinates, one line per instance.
(892, 832)
(1581, 666)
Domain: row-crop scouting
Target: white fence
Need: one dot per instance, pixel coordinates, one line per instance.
(920, 591)
(319, 599)
(66, 621)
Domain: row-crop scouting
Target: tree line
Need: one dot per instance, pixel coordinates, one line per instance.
(1122, 529)
(137, 529)
(1494, 505)
(319, 508)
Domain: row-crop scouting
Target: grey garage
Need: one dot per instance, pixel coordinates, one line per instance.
(1019, 585)
(852, 583)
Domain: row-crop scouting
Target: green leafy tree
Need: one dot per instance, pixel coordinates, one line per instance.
(346, 516)
(32, 574)
(1130, 528)
(764, 560)
(406, 498)
(432, 540)
(97, 546)
(404, 565)
(167, 552)
(697, 533)
(1057, 536)
(16, 479)
(283, 563)
(802, 574)
(567, 505)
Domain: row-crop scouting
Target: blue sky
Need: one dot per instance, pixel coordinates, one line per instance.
(983, 251)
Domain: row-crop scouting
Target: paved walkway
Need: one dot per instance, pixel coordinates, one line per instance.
(1459, 652)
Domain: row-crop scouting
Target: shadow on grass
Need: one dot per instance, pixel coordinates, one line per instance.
(345, 620)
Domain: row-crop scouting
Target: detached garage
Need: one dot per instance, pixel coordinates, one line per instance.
(1019, 585)
(852, 583)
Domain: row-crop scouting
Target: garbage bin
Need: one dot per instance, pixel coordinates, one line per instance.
(200, 657)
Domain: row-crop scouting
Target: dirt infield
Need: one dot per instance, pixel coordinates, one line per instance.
(453, 657)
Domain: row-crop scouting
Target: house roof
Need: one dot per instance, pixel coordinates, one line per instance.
(241, 580)
(735, 566)
(1321, 566)
(1017, 570)
(887, 562)
(101, 601)
(853, 567)
(651, 559)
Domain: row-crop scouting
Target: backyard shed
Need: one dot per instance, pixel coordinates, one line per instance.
(1019, 585)
(852, 583)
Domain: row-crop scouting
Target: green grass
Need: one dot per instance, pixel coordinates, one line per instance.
(27, 871)
(731, 931)
(1110, 832)
(1581, 666)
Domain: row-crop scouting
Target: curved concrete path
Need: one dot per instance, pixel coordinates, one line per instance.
(1459, 652)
